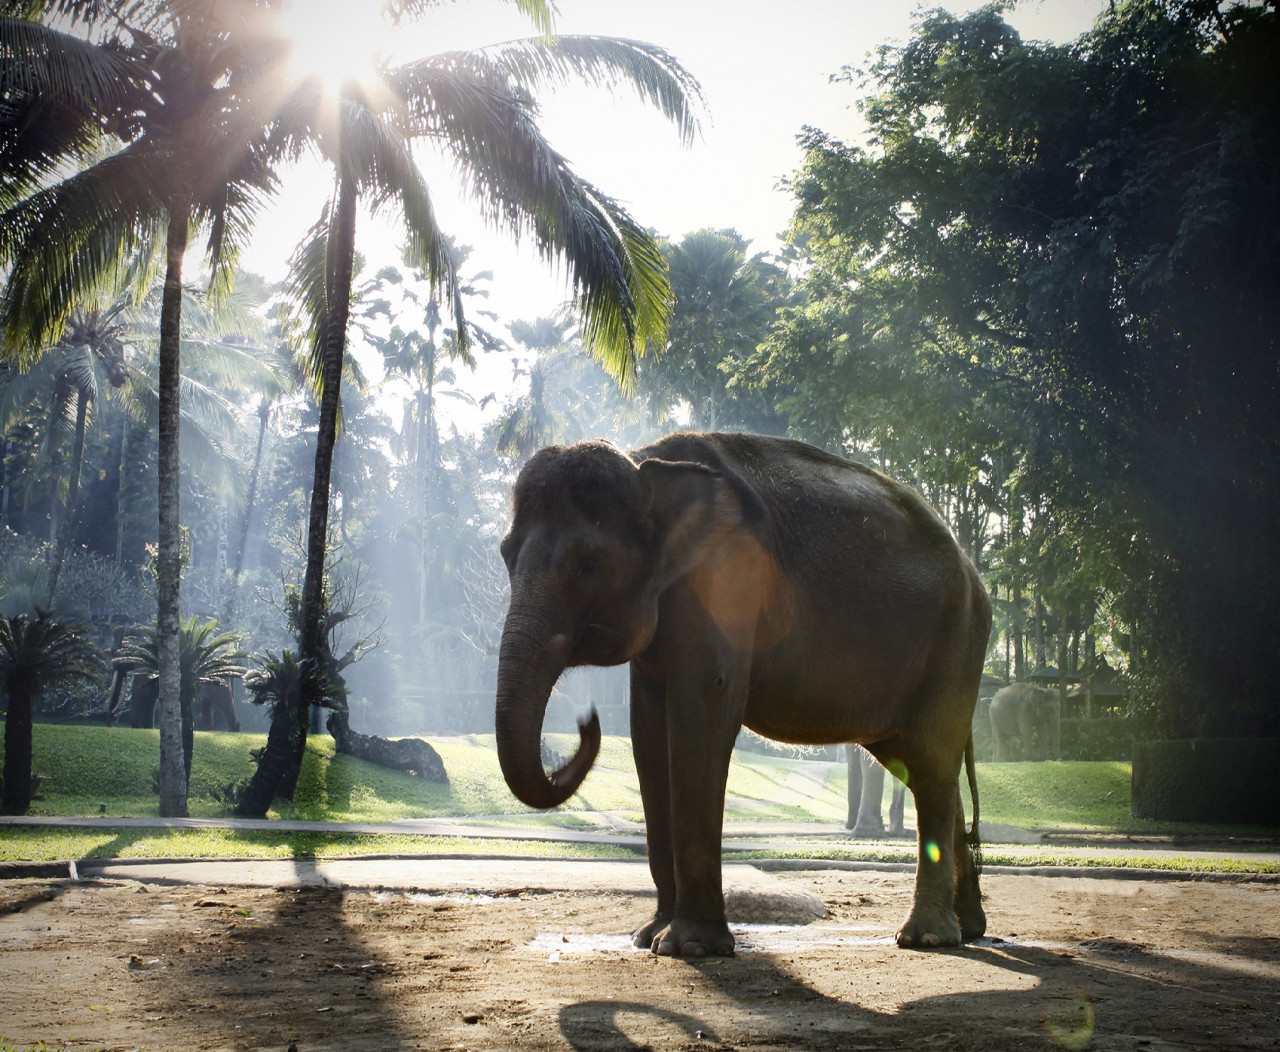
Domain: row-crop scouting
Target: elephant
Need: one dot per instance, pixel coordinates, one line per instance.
(219, 695)
(752, 581)
(866, 796)
(145, 693)
(1033, 715)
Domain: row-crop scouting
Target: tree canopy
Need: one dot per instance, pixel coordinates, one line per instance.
(1067, 255)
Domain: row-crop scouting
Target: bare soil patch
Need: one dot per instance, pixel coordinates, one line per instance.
(1069, 963)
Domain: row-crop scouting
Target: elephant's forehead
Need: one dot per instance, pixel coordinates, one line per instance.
(591, 480)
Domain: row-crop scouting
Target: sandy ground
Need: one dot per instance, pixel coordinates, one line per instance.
(1069, 963)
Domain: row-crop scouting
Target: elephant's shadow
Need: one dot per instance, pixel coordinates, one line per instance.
(1050, 996)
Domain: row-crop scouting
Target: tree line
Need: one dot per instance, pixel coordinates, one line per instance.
(1042, 290)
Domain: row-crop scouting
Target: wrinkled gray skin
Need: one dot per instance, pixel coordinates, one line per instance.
(866, 796)
(1033, 715)
(753, 581)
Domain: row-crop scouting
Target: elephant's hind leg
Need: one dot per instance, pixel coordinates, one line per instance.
(968, 901)
(932, 922)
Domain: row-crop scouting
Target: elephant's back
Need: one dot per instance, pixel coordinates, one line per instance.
(817, 501)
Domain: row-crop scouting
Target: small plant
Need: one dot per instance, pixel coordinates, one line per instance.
(203, 658)
(36, 653)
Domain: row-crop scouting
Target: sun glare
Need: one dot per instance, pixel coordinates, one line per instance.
(332, 46)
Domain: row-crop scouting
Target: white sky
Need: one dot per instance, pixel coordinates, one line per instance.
(765, 71)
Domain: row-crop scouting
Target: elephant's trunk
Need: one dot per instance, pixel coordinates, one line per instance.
(531, 659)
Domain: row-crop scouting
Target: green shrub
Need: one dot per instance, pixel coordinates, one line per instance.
(1105, 738)
(1224, 780)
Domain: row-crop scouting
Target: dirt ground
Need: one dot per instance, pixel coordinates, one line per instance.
(1068, 963)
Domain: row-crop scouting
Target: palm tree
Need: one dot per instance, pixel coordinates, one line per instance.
(478, 106)
(203, 658)
(190, 90)
(36, 653)
(68, 383)
(725, 301)
(423, 355)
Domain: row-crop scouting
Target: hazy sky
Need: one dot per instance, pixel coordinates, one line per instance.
(765, 71)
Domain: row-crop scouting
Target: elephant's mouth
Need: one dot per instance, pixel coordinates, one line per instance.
(599, 644)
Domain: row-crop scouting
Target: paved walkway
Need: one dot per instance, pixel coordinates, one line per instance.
(503, 875)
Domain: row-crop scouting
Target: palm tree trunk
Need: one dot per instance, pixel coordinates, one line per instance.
(261, 790)
(17, 748)
(297, 750)
(118, 496)
(338, 307)
(73, 497)
(282, 759)
(264, 417)
(173, 780)
(340, 264)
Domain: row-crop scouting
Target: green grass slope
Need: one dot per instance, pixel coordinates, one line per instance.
(92, 771)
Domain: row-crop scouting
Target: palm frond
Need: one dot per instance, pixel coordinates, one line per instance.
(646, 69)
(383, 167)
(308, 298)
(36, 60)
(71, 242)
(541, 13)
(522, 184)
(46, 651)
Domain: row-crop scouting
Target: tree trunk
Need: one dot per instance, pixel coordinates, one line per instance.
(173, 781)
(264, 417)
(338, 272)
(398, 754)
(261, 790)
(1018, 629)
(73, 497)
(4, 480)
(282, 760)
(17, 748)
(297, 751)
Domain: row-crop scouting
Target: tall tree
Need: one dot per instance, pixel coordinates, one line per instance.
(477, 106)
(725, 301)
(1090, 230)
(189, 91)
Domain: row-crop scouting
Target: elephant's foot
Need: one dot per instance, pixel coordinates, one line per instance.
(973, 920)
(642, 937)
(868, 829)
(685, 938)
(925, 931)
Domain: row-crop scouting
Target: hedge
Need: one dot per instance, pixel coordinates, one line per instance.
(1221, 780)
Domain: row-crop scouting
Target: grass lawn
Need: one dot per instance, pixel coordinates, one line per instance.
(93, 771)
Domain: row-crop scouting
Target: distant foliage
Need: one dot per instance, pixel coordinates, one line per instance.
(1045, 292)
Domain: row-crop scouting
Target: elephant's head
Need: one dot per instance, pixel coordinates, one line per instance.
(595, 538)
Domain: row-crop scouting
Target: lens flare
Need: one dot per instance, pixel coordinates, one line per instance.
(933, 851)
(1070, 1026)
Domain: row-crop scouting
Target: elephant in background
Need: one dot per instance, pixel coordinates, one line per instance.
(756, 582)
(1031, 714)
(866, 796)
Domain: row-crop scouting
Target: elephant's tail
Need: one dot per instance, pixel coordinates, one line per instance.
(974, 838)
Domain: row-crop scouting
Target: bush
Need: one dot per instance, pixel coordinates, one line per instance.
(1106, 738)
(1221, 780)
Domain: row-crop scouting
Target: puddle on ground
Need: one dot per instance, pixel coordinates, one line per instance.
(751, 938)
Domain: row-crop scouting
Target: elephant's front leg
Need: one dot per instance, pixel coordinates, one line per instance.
(649, 747)
(704, 714)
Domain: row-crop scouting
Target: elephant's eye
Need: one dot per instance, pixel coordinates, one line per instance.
(586, 567)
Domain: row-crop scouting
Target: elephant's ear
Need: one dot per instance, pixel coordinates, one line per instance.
(686, 505)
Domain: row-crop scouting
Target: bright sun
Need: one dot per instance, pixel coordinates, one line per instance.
(334, 42)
